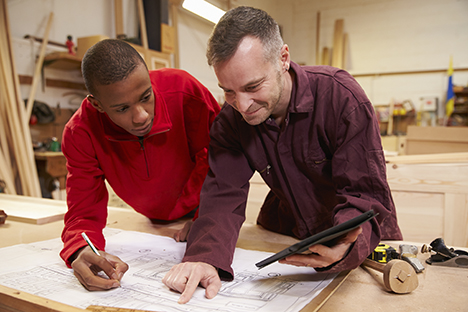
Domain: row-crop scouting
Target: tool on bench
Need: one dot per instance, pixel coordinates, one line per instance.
(384, 253)
(398, 275)
(444, 256)
(3, 216)
(409, 253)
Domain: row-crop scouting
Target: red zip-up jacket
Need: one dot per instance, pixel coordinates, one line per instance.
(160, 175)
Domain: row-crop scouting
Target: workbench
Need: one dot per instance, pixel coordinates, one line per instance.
(440, 288)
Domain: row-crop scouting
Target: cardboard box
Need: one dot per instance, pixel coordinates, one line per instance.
(84, 43)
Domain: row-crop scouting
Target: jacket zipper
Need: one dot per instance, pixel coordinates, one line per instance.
(142, 145)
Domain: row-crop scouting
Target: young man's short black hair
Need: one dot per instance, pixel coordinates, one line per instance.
(107, 62)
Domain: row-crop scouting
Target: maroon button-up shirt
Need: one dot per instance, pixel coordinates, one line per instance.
(324, 167)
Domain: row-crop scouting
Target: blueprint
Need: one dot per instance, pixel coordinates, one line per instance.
(37, 269)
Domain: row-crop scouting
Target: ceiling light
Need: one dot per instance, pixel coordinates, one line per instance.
(204, 9)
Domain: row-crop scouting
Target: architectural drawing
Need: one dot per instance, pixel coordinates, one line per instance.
(150, 257)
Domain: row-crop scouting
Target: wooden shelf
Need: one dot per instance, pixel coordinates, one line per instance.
(62, 60)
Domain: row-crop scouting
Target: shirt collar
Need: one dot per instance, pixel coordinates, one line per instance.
(301, 93)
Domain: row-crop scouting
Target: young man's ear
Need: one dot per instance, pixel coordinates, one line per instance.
(95, 103)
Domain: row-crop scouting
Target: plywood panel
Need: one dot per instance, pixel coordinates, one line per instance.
(39, 212)
(456, 219)
(420, 215)
(452, 178)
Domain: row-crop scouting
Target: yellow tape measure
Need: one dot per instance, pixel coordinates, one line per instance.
(383, 253)
(96, 308)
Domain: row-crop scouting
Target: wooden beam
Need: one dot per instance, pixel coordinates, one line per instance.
(54, 83)
(325, 56)
(429, 158)
(16, 301)
(345, 51)
(17, 126)
(118, 13)
(174, 11)
(337, 55)
(37, 72)
(317, 40)
(141, 16)
(409, 72)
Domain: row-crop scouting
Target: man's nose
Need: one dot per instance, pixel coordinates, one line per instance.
(140, 115)
(243, 102)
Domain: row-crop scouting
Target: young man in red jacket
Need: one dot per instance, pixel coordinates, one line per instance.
(147, 134)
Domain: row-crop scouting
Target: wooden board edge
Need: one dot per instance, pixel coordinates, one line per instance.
(37, 221)
(326, 293)
(18, 301)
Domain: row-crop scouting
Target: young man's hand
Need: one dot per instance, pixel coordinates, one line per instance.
(87, 265)
(323, 256)
(185, 278)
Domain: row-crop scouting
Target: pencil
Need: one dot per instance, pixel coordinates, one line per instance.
(90, 244)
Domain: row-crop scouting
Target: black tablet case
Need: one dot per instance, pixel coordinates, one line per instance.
(319, 238)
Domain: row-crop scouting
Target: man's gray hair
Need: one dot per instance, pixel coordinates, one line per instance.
(238, 23)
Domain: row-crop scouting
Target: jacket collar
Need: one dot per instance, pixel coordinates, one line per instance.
(161, 122)
(301, 93)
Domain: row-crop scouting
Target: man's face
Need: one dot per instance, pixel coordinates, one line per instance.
(128, 103)
(253, 85)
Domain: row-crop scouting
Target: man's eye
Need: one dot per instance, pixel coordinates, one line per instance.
(251, 88)
(122, 110)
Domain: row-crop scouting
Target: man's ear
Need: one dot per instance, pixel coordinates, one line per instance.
(96, 104)
(285, 57)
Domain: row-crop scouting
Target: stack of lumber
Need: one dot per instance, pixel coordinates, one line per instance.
(17, 165)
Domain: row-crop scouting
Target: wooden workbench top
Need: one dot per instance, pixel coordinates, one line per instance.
(440, 288)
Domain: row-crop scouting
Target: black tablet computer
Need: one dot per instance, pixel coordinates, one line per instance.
(319, 238)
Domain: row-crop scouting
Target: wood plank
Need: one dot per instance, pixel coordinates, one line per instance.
(18, 124)
(408, 72)
(325, 56)
(456, 220)
(345, 50)
(141, 17)
(18, 209)
(37, 71)
(118, 14)
(420, 215)
(438, 158)
(12, 300)
(62, 60)
(444, 134)
(437, 178)
(174, 11)
(337, 55)
(317, 40)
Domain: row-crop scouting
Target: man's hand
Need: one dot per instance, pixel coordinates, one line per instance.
(87, 265)
(185, 277)
(181, 235)
(323, 256)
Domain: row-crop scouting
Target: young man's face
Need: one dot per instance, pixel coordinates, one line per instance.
(252, 85)
(128, 103)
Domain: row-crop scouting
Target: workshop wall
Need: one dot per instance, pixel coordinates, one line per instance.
(384, 36)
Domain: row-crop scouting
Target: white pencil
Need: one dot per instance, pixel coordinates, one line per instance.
(90, 244)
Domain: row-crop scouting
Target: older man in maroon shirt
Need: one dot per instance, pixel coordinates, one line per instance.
(309, 131)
